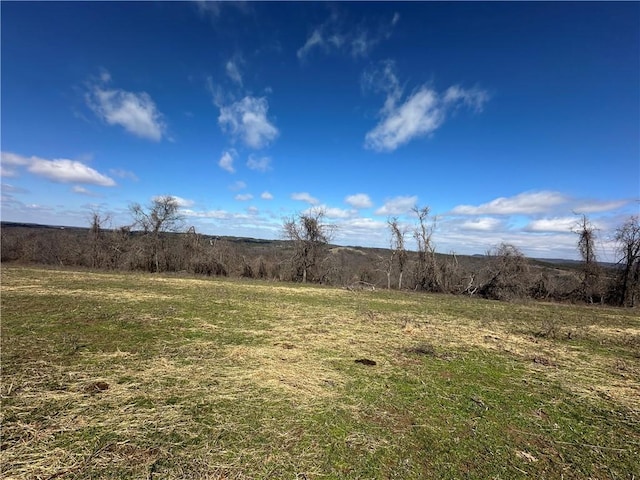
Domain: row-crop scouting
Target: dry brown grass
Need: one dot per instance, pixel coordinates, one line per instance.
(295, 347)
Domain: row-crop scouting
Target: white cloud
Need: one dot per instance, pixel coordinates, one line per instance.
(8, 163)
(557, 224)
(8, 172)
(332, 212)
(217, 214)
(359, 200)
(260, 164)
(233, 72)
(226, 160)
(362, 231)
(594, 206)
(181, 202)
(483, 224)
(8, 158)
(398, 205)
(266, 196)
(419, 115)
(135, 112)
(60, 170)
(247, 119)
(523, 203)
(243, 197)
(305, 197)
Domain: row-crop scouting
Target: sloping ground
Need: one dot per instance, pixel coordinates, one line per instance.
(142, 376)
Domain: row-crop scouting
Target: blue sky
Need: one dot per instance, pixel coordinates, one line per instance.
(507, 119)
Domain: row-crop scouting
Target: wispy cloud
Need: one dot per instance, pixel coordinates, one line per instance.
(232, 69)
(419, 115)
(8, 188)
(398, 205)
(260, 164)
(135, 112)
(239, 185)
(59, 170)
(359, 200)
(247, 119)
(84, 191)
(595, 206)
(212, 9)
(524, 204)
(208, 7)
(226, 160)
(316, 39)
(333, 36)
(243, 197)
(305, 197)
(266, 196)
(120, 173)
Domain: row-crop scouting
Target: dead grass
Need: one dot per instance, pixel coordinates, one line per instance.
(222, 378)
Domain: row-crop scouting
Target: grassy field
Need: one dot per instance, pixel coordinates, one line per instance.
(150, 377)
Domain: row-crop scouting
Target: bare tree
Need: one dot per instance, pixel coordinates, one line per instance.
(162, 215)
(397, 250)
(627, 237)
(587, 248)
(309, 234)
(426, 273)
(451, 276)
(96, 235)
(509, 271)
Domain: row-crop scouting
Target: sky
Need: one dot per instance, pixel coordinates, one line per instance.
(508, 120)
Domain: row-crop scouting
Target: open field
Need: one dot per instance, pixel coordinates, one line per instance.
(143, 376)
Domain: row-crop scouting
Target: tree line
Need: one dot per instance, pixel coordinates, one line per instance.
(157, 240)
